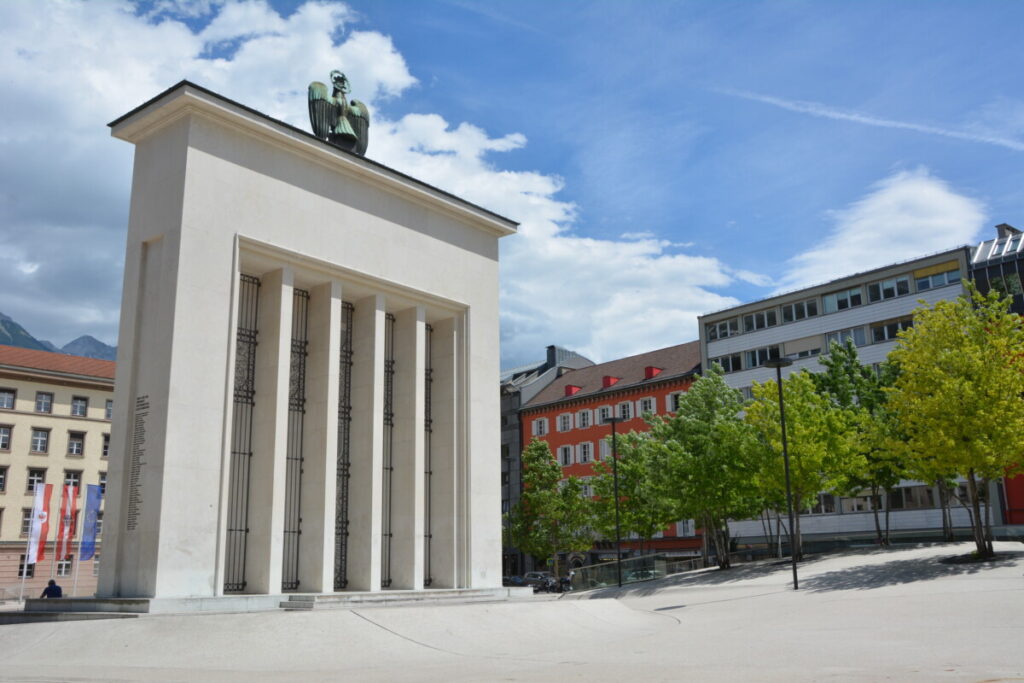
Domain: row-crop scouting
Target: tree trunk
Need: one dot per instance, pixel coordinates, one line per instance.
(705, 553)
(888, 507)
(976, 520)
(988, 516)
(765, 528)
(947, 520)
(874, 510)
(798, 544)
(778, 534)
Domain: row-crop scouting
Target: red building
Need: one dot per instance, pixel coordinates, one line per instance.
(569, 414)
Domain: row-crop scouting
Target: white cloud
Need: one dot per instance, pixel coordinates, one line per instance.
(69, 67)
(909, 214)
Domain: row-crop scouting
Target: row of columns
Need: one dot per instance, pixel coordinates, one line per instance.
(263, 561)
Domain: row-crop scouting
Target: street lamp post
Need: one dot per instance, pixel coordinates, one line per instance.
(778, 364)
(615, 477)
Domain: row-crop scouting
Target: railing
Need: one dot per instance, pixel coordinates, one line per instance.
(644, 568)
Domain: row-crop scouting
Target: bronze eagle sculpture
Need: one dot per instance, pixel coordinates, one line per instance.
(342, 123)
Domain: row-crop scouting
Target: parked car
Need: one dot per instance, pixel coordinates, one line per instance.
(512, 581)
(537, 578)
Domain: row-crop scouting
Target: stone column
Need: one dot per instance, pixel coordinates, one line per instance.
(408, 450)
(367, 444)
(446, 443)
(269, 434)
(320, 441)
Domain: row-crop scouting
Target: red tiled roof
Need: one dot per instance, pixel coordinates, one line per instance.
(673, 361)
(56, 362)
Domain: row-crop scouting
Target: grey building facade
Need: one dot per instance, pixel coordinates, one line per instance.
(518, 386)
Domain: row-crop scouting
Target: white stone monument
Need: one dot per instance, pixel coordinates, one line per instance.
(306, 393)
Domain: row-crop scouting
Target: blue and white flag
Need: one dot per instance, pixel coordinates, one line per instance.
(93, 498)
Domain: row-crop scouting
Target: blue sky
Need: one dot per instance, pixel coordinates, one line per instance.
(666, 158)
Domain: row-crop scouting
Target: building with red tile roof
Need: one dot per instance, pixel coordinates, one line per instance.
(569, 415)
(55, 412)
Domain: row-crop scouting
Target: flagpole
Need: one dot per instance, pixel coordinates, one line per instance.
(77, 560)
(56, 534)
(24, 565)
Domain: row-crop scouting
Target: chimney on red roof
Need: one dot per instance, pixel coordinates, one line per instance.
(608, 380)
(650, 372)
(571, 389)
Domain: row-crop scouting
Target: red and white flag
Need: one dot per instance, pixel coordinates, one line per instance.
(40, 523)
(66, 530)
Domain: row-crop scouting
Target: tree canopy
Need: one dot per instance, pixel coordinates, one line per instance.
(549, 517)
(958, 395)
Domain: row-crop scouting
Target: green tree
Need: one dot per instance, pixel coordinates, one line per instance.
(707, 461)
(872, 462)
(816, 436)
(644, 507)
(958, 396)
(551, 516)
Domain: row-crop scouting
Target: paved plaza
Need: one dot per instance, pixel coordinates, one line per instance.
(863, 615)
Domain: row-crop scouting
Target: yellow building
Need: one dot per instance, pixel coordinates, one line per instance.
(55, 429)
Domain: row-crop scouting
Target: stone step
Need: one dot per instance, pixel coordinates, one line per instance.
(12, 617)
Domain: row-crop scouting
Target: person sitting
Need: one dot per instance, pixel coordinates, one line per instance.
(52, 590)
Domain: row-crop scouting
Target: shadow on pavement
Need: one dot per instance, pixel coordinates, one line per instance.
(899, 572)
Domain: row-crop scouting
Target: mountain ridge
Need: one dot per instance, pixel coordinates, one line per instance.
(13, 334)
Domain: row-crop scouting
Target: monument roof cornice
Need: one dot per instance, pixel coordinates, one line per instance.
(186, 98)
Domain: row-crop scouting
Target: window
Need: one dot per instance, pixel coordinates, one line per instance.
(824, 505)
(586, 490)
(840, 301)
(626, 411)
(586, 452)
(938, 280)
(760, 320)
(840, 337)
(672, 402)
(800, 310)
(99, 523)
(109, 414)
(505, 453)
(79, 406)
(726, 328)
(3, 479)
(858, 504)
(44, 402)
(505, 507)
(729, 363)
(73, 478)
(747, 393)
(807, 353)
(76, 443)
(603, 413)
(103, 482)
(35, 476)
(888, 331)
(540, 426)
(758, 357)
(64, 567)
(605, 449)
(40, 440)
(646, 405)
(911, 498)
(26, 521)
(96, 562)
(565, 455)
(565, 422)
(888, 289)
(504, 478)
(26, 571)
(583, 419)
(106, 445)
(5, 437)
(7, 399)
